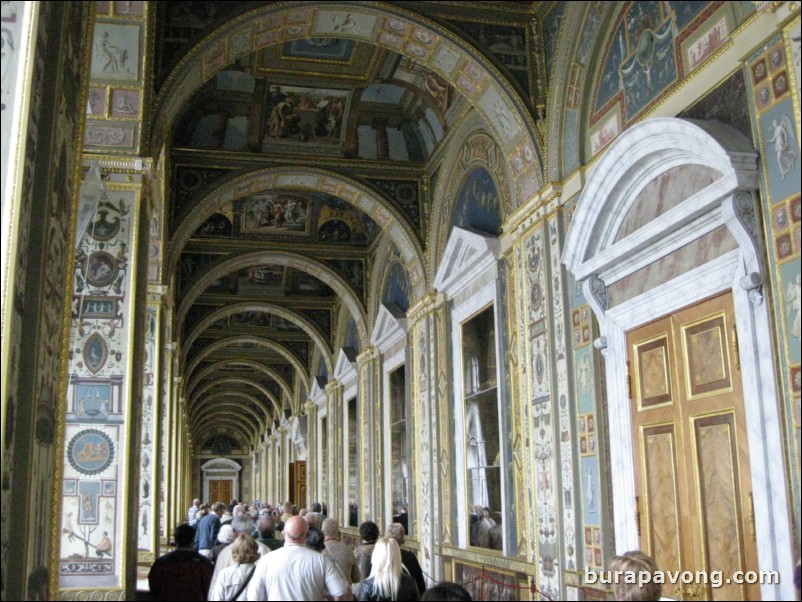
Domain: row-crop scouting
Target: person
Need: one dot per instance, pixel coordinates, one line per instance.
(104, 545)
(633, 563)
(192, 515)
(182, 574)
(243, 524)
(207, 528)
(369, 533)
(447, 591)
(233, 580)
(387, 580)
(315, 540)
(408, 558)
(287, 513)
(400, 516)
(225, 537)
(340, 553)
(294, 572)
(266, 530)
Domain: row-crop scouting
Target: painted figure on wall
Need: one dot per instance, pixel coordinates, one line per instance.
(783, 140)
(114, 55)
(793, 296)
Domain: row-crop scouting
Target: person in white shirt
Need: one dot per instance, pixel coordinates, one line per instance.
(192, 515)
(243, 524)
(232, 581)
(294, 572)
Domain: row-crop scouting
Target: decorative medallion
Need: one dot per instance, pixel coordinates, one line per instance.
(536, 296)
(90, 452)
(103, 229)
(539, 368)
(101, 269)
(95, 353)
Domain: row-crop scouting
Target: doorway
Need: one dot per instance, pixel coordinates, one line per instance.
(693, 483)
(221, 490)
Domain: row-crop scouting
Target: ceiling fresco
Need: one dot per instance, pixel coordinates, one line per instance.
(361, 119)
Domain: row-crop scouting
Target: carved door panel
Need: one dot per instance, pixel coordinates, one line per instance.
(220, 490)
(693, 483)
(299, 482)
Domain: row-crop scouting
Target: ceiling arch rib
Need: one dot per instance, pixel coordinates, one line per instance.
(385, 25)
(238, 381)
(260, 341)
(194, 381)
(281, 258)
(234, 405)
(213, 424)
(226, 396)
(204, 436)
(289, 315)
(362, 197)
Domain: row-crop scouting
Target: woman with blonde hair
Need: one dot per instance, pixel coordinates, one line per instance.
(633, 563)
(387, 580)
(232, 582)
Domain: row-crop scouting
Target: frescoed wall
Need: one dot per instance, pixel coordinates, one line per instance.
(773, 83)
(39, 191)
(99, 397)
(652, 48)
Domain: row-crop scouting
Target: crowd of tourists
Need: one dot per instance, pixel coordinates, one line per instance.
(262, 552)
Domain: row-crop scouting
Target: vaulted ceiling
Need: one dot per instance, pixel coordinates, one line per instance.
(290, 168)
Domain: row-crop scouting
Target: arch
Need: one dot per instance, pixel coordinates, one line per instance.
(568, 98)
(384, 25)
(603, 248)
(272, 345)
(291, 260)
(251, 431)
(221, 463)
(364, 198)
(266, 370)
(385, 256)
(641, 153)
(237, 435)
(239, 381)
(262, 306)
(228, 404)
(212, 424)
(472, 147)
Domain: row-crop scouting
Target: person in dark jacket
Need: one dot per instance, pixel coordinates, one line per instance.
(387, 580)
(408, 558)
(182, 574)
(207, 529)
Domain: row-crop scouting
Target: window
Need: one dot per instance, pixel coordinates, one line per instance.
(399, 456)
(353, 462)
(483, 478)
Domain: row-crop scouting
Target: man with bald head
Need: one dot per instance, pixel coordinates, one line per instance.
(294, 572)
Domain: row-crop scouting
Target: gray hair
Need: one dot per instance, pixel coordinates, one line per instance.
(242, 524)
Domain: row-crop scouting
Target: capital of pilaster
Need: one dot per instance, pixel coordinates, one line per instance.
(333, 387)
(424, 306)
(368, 355)
(309, 407)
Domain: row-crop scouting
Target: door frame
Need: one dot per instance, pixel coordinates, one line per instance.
(221, 469)
(597, 259)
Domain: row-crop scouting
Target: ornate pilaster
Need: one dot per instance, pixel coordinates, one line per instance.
(334, 395)
(150, 430)
(312, 444)
(432, 518)
(371, 435)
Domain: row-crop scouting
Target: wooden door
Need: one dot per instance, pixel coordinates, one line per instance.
(694, 499)
(299, 482)
(220, 490)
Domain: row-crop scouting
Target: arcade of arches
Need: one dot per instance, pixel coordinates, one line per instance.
(530, 270)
